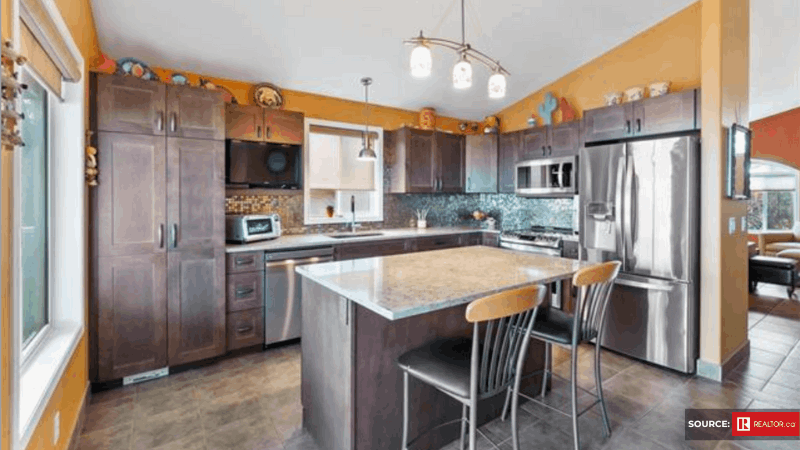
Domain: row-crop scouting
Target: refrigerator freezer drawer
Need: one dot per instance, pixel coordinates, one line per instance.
(653, 320)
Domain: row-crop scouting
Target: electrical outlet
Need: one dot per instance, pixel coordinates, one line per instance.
(744, 223)
(56, 427)
(732, 225)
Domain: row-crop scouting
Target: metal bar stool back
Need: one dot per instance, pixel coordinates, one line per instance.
(472, 370)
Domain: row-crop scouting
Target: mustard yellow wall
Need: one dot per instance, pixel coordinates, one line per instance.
(6, 8)
(323, 107)
(669, 51)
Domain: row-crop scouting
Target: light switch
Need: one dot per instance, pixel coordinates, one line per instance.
(744, 224)
(731, 225)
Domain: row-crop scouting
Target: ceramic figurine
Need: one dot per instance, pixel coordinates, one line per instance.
(567, 112)
(179, 79)
(136, 68)
(227, 95)
(546, 109)
(105, 64)
(532, 121)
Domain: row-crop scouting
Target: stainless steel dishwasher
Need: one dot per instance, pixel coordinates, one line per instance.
(282, 291)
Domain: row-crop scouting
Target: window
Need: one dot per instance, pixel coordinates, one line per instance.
(33, 213)
(336, 179)
(773, 196)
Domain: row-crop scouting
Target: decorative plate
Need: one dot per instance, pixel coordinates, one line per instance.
(136, 68)
(227, 95)
(179, 79)
(267, 95)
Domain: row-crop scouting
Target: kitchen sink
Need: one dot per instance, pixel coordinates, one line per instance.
(354, 235)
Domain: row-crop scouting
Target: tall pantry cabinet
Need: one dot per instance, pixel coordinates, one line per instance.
(158, 236)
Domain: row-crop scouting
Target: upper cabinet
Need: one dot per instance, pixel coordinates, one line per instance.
(509, 146)
(253, 123)
(132, 105)
(550, 141)
(425, 161)
(657, 115)
(481, 163)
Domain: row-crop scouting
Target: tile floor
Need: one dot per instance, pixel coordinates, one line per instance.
(253, 401)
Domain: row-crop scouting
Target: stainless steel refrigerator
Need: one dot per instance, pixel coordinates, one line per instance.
(639, 204)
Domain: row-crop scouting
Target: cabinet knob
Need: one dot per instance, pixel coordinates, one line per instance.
(173, 122)
(638, 125)
(244, 329)
(160, 121)
(627, 126)
(544, 151)
(258, 131)
(161, 235)
(550, 150)
(174, 237)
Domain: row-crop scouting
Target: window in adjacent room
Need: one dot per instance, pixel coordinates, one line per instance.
(335, 176)
(773, 196)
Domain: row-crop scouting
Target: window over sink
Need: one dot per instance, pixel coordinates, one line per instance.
(334, 175)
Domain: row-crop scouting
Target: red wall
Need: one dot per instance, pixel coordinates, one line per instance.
(778, 138)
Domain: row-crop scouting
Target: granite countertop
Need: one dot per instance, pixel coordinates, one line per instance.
(316, 240)
(416, 283)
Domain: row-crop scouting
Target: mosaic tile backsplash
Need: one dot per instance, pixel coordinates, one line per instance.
(510, 211)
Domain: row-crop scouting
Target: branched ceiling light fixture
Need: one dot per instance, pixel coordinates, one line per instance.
(367, 153)
(422, 62)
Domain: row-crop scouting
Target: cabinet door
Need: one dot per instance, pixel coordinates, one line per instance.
(245, 291)
(435, 243)
(666, 114)
(245, 123)
(611, 122)
(283, 127)
(195, 113)
(196, 304)
(196, 193)
(481, 162)
(371, 249)
(130, 105)
(450, 162)
(534, 144)
(131, 306)
(565, 139)
(420, 167)
(509, 147)
(130, 212)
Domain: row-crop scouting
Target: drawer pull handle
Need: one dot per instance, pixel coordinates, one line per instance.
(241, 292)
(244, 329)
(243, 261)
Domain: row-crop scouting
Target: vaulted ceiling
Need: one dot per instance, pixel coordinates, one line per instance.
(325, 47)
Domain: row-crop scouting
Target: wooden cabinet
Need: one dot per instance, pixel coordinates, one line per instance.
(490, 239)
(371, 249)
(130, 309)
(196, 304)
(651, 116)
(158, 289)
(423, 161)
(466, 240)
(245, 328)
(534, 144)
(245, 262)
(245, 291)
(245, 299)
(551, 141)
(253, 123)
(481, 163)
(130, 105)
(509, 149)
(427, 243)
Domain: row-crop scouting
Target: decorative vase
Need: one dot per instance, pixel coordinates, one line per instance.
(422, 223)
(427, 119)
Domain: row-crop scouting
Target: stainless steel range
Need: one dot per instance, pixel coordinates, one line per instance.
(551, 241)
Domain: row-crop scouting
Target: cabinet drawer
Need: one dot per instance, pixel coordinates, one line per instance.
(371, 249)
(490, 239)
(245, 291)
(470, 239)
(245, 328)
(435, 243)
(245, 262)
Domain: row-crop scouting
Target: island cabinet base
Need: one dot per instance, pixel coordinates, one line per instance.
(352, 389)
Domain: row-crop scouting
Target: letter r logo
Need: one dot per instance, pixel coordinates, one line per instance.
(742, 424)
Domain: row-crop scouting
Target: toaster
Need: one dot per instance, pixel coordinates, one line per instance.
(250, 228)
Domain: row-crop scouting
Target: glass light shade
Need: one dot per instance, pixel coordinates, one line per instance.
(497, 85)
(421, 61)
(462, 74)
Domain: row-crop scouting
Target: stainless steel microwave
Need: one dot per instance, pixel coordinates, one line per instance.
(241, 229)
(552, 177)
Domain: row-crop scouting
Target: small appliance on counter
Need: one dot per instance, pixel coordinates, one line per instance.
(242, 229)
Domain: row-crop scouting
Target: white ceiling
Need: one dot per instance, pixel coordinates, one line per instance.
(325, 47)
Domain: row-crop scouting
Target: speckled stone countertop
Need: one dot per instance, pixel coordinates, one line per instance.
(416, 283)
(316, 240)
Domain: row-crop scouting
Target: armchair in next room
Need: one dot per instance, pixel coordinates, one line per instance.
(770, 243)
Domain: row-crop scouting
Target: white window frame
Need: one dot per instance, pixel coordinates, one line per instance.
(308, 219)
(764, 206)
(37, 371)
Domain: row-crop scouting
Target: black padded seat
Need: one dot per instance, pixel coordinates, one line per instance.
(443, 363)
(554, 325)
(773, 269)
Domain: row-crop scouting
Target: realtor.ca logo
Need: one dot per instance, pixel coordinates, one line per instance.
(742, 424)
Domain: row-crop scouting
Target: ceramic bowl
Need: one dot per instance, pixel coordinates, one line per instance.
(613, 98)
(634, 93)
(659, 88)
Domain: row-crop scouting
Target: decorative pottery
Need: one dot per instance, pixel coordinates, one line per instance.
(659, 88)
(634, 93)
(422, 223)
(547, 107)
(427, 119)
(178, 78)
(613, 98)
(329, 211)
(105, 64)
(227, 95)
(531, 121)
(491, 124)
(136, 68)
(267, 95)
(567, 112)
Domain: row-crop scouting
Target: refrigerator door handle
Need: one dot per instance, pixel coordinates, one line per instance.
(618, 208)
(643, 285)
(627, 219)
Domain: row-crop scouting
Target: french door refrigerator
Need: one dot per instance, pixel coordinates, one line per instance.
(639, 204)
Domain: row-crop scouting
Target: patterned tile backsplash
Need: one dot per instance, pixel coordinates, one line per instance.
(510, 211)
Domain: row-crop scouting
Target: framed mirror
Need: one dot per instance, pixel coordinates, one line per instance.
(738, 169)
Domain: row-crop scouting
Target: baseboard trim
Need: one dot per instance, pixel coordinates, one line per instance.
(75, 438)
(718, 372)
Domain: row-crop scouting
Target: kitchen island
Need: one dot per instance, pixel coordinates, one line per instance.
(360, 315)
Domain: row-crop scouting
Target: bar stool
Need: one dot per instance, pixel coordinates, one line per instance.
(470, 370)
(569, 330)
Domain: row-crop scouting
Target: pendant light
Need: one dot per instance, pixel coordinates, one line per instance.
(367, 153)
(421, 60)
(497, 85)
(462, 73)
